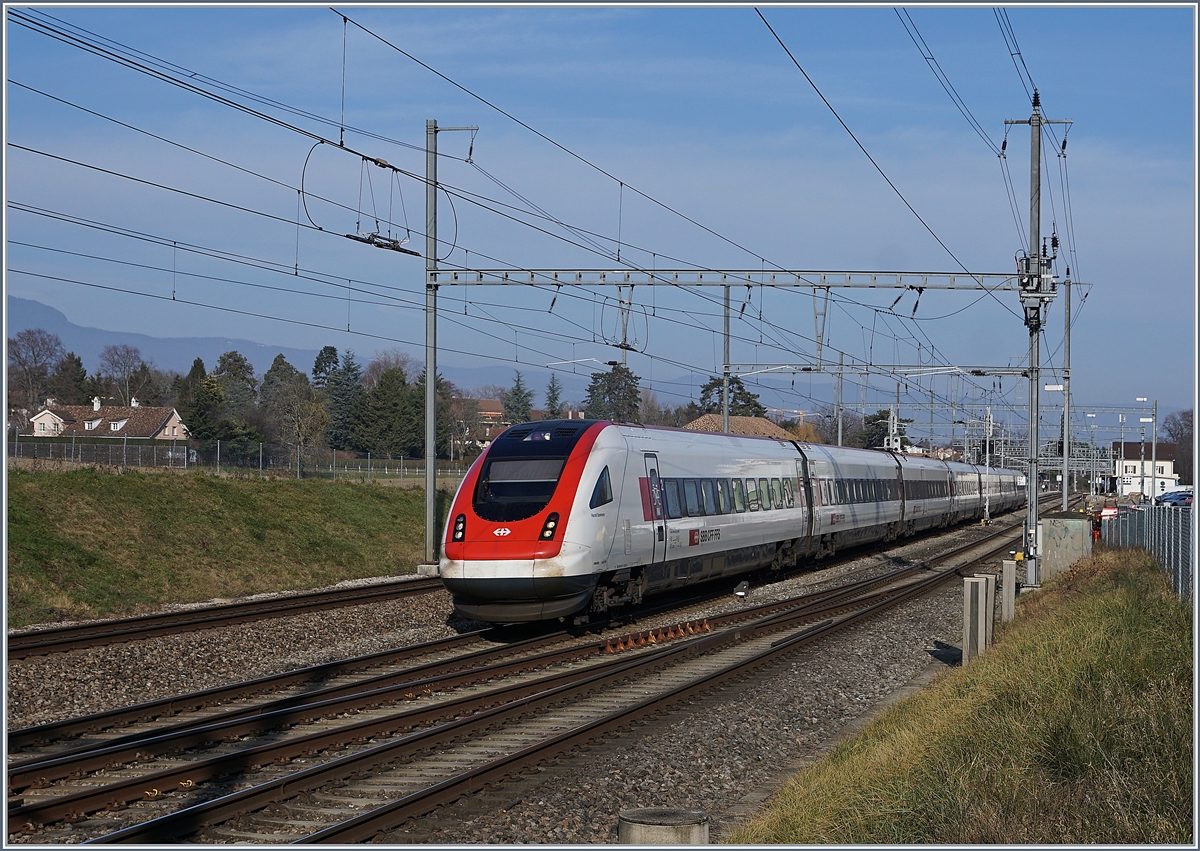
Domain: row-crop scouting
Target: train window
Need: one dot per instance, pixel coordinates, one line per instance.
(739, 498)
(723, 501)
(691, 498)
(787, 493)
(752, 494)
(602, 495)
(777, 493)
(671, 492)
(516, 488)
(709, 497)
(764, 494)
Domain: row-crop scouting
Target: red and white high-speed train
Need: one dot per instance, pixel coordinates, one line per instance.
(563, 518)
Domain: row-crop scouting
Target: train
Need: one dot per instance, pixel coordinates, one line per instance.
(569, 519)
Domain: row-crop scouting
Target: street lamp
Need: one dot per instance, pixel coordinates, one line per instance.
(1153, 418)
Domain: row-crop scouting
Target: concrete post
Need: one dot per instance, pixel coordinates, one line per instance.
(662, 826)
(974, 592)
(989, 605)
(1008, 590)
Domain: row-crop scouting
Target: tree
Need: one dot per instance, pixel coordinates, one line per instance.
(876, 428)
(824, 422)
(31, 355)
(282, 386)
(466, 426)
(235, 374)
(554, 405)
(653, 413)
(1178, 427)
(518, 402)
(326, 362)
(342, 388)
(201, 403)
(125, 371)
(391, 359)
(68, 383)
(742, 403)
(386, 420)
(613, 395)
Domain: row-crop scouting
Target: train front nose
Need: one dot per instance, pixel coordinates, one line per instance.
(493, 586)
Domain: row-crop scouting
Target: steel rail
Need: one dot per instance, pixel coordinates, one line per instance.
(192, 818)
(69, 727)
(61, 639)
(345, 697)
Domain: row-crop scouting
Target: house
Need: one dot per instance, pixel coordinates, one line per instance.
(97, 420)
(1133, 472)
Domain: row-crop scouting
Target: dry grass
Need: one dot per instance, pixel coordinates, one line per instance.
(91, 543)
(1075, 728)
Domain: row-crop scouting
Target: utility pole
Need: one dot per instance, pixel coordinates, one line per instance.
(841, 366)
(431, 288)
(431, 549)
(987, 454)
(725, 371)
(1037, 290)
(1066, 451)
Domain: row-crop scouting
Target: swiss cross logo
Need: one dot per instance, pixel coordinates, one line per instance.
(500, 533)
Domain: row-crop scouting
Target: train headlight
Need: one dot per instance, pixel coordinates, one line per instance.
(550, 527)
(460, 528)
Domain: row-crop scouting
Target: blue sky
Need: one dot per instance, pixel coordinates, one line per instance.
(697, 108)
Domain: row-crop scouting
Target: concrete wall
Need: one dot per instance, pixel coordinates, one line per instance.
(1065, 539)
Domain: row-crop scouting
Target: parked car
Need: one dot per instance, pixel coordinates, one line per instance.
(1176, 498)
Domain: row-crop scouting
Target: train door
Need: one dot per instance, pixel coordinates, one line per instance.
(656, 509)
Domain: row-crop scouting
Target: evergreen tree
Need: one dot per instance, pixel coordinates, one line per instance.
(326, 362)
(518, 402)
(235, 374)
(554, 405)
(201, 404)
(742, 403)
(69, 381)
(386, 420)
(875, 428)
(613, 395)
(444, 407)
(342, 388)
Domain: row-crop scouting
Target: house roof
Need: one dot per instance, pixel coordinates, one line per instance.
(750, 426)
(1163, 452)
(142, 421)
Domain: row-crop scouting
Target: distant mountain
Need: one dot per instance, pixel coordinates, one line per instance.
(166, 353)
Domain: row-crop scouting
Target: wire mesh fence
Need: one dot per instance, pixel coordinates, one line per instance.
(1166, 532)
(230, 459)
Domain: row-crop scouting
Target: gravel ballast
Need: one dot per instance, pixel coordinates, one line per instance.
(723, 757)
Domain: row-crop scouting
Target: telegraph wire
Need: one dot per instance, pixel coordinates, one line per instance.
(546, 138)
(899, 194)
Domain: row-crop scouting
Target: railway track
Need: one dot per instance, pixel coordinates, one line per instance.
(344, 760)
(61, 639)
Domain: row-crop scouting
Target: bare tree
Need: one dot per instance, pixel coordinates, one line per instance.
(31, 356)
(1178, 428)
(121, 365)
(391, 359)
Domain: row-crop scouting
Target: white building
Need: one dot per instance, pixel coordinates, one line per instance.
(1135, 473)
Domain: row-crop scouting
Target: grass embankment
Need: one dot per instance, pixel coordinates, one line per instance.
(88, 543)
(1075, 728)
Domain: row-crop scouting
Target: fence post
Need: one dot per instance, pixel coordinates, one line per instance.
(260, 460)
(218, 456)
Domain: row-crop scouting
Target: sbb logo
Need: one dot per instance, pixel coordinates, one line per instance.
(502, 532)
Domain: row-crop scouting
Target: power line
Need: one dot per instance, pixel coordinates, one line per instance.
(888, 180)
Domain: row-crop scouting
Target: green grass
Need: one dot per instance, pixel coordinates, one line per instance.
(88, 543)
(1075, 728)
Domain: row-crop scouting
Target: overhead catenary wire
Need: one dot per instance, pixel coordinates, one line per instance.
(620, 240)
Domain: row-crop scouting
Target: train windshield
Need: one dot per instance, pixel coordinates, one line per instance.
(516, 488)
